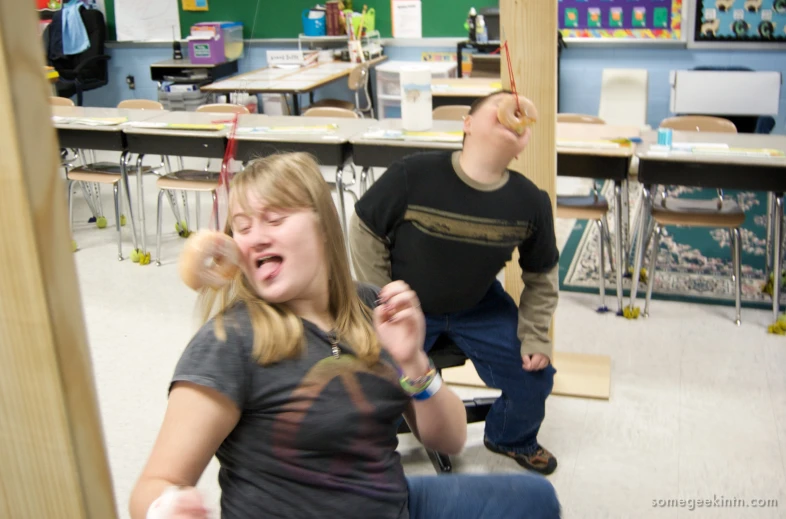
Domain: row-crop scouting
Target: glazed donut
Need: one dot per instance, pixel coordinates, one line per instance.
(510, 117)
(209, 259)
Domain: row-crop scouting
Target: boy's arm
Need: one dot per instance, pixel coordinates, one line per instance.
(539, 261)
(370, 254)
(373, 224)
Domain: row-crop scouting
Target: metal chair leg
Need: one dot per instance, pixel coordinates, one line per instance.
(607, 237)
(601, 267)
(736, 259)
(158, 226)
(215, 204)
(116, 194)
(197, 211)
(70, 204)
(653, 263)
(441, 462)
(184, 196)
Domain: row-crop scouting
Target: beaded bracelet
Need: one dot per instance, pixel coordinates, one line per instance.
(418, 385)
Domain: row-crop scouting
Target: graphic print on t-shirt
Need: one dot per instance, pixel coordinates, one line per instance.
(332, 407)
(468, 229)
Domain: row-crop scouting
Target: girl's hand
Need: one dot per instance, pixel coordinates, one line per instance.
(178, 503)
(401, 327)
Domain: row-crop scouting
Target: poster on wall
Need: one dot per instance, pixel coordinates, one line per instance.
(741, 21)
(621, 19)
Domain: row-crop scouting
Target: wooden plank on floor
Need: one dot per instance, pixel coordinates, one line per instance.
(52, 456)
(578, 374)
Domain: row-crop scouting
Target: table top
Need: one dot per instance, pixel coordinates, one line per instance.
(595, 139)
(286, 80)
(418, 139)
(721, 148)
(300, 129)
(98, 119)
(183, 118)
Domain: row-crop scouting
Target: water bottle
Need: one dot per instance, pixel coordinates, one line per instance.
(481, 33)
(471, 21)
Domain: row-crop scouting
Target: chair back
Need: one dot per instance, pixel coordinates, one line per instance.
(699, 123)
(140, 104)
(579, 118)
(330, 111)
(450, 113)
(60, 101)
(223, 108)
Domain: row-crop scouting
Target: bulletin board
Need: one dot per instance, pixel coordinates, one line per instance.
(740, 21)
(651, 20)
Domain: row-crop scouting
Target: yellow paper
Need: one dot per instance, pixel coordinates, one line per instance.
(195, 5)
(195, 127)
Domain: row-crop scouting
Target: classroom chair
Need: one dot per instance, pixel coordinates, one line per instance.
(223, 108)
(445, 354)
(662, 210)
(450, 113)
(91, 175)
(623, 97)
(330, 111)
(357, 81)
(593, 207)
(60, 101)
(196, 181)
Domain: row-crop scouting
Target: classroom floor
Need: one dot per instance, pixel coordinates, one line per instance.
(697, 408)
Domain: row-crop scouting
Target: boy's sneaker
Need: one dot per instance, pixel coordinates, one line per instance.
(541, 461)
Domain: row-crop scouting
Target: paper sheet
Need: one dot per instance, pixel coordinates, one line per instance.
(407, 18)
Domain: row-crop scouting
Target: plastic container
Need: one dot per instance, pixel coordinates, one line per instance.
(664, 136)
(215, 42)
(314, 22)
(481, 35)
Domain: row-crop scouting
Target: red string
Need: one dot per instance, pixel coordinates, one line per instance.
(510, 74)
(224, 177)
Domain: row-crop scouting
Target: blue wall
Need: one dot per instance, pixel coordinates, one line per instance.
(579, 87)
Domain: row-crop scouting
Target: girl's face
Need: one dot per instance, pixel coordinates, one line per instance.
(283, 252)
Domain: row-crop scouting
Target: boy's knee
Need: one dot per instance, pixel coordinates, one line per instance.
(542, 501)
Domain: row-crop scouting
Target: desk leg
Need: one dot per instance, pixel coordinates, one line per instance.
(618, 242)
(626, 232)
(768, 254)
(295, 104)
(363, 181)
(459, 48)
(124, 179)
(341, 203)
(141, 201)
(640, 247)
(776, 257)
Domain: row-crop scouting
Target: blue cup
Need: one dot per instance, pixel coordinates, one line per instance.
(313, 26)
(664, 136)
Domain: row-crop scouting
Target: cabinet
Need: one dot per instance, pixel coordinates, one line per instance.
(389, 85)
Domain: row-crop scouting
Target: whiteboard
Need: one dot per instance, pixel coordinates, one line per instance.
(147, 20)
(711, 92)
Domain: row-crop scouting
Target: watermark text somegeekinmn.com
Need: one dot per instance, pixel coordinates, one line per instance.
(715, 502)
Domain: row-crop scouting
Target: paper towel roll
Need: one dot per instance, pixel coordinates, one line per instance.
(416, 98)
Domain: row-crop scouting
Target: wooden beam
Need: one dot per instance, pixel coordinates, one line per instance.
(530, 28)
(51, 445)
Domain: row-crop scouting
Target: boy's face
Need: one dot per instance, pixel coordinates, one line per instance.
(485, 130)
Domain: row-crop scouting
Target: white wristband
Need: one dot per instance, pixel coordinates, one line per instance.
(161, 508)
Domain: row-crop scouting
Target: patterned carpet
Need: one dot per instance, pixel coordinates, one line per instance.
(694, 264)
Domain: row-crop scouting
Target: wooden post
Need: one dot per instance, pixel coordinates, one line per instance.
(52, 457)
(530, 27)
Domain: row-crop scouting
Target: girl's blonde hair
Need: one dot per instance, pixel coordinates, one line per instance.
(293, 181)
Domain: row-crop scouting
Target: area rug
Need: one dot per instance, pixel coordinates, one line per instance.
(694, 264)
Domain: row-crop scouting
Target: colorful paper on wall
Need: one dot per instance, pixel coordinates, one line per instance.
(195, 5)
(621, 19)
(741, 20)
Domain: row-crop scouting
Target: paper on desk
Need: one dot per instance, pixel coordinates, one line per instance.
(713, 149)
(415, 136)
(591, 144)
(288, 130)
(176, 126)
(90, 121)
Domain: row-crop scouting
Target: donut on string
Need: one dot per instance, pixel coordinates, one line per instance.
(517, 113)
(209, 259)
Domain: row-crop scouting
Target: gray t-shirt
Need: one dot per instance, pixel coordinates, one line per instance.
(316, 436)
